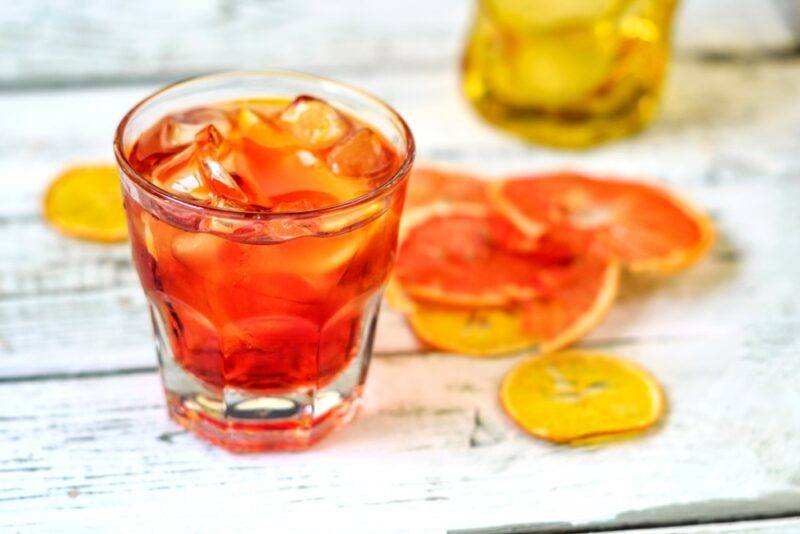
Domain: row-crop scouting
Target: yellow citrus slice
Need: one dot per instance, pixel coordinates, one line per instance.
(471, 332)
(86, 202)
(574, 395)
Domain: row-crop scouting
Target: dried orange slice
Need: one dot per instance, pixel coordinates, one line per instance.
(577, 302)
(429, 185)
(86, 202)
(647, 228)
(447, 256)
(579, 298)
(573, 395)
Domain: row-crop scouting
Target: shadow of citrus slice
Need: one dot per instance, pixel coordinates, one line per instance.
(646, 227)
(573, 396)
(86, 202)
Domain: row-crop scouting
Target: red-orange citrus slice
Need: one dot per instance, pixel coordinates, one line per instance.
(447, 256)
(86, 202)
(430, 185)
(574, 395)
(644, 226)
(575, 299)
(580, 295)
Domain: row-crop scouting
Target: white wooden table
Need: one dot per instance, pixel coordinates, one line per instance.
(85, 443)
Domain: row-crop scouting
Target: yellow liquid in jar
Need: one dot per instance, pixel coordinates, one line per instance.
(568, 73)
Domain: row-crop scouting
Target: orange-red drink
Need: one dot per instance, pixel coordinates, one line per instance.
(263, 211)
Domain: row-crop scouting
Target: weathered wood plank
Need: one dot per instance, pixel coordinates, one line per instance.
(448, 456)
(763, 526)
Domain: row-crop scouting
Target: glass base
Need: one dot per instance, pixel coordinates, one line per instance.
(259, 420)
(261, 423)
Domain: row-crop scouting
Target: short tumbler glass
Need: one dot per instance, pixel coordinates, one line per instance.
(264, 322)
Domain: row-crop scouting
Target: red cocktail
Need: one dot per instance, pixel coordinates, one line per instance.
(263, 211)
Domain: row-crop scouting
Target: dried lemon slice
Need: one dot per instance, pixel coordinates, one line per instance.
(574, 395)
(475, 332)
(472, 332)
(86, 202)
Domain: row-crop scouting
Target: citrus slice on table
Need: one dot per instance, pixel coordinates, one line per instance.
(86, 202)
(574, 395)
(644, 226)
(447, 256)
(581, 295)
(430, 185)
(579, 298)
(468, 331)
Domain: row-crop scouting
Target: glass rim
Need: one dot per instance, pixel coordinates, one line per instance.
(150, 188)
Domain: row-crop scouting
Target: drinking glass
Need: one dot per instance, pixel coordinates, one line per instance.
(264, 321)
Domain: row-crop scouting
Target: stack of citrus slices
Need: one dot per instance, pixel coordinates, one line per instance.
(491, 268)
(533, 262)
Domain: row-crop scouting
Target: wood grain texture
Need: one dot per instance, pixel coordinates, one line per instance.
(430, 441)
(85, 443)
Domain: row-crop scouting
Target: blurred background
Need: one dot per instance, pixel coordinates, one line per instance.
(52, 43)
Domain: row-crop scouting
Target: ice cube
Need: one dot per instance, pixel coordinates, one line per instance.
(174, 132)
(201, 253)
(185, 126)
(361, 154)
(181, 174)
(302, 201)
(194, 172)
(220, 181)
(313, 123)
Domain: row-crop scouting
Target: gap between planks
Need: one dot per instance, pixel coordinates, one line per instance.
(781, 520)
